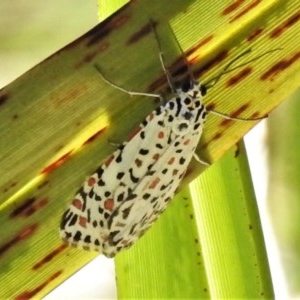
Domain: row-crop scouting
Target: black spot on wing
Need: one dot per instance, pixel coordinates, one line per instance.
(77, 236)
(132, 177)
(143, 151)
(87, 239)
(73, 220)
(65, 219)
(111, 238)
(120, 175)
(101, 182)
(120, 197)
(182, 160)
(146, 196)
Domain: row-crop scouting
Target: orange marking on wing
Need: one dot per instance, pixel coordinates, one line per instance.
(77, 203)
(154, 183)
(91, 181)
(134, 132)
(109, 160)
(109, 204)
(161, 135)
(155, 156)
(171, 160)
(186, 142)
(82, 221)
(138, 162)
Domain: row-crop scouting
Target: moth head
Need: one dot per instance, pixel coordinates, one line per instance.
(193, 88)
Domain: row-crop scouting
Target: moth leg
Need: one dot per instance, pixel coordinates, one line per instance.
(131, 93)
(201, 161)
(114, 144)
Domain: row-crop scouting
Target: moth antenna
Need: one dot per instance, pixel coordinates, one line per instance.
(190, 72)
(226, 69)
(161, 58)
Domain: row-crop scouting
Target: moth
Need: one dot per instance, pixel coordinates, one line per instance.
(118, 203)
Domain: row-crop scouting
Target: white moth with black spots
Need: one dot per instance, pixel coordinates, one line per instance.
(125, 196)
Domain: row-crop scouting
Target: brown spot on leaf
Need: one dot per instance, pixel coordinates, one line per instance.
(98, 33)
(254, 34)
(57, 163)
(29, 207)
(89, 57)
(120, 20)
(232, 7)
(11, 185)
(210, 107)
(280, 66)
(203, 42)
(237, 150)
(216, 136)
(102, 30)
(44, 183)
(3, 99)
(68, 96)
(20, 209)
(49, 257)
(141, 33)
(31, 293)
(248, 8)
(279, 30)
(241, 75)
(225, 122)
(256, 115)
(240, 110)
(157, 84)
(94, 136)
(212, 63)
(178, 67)
(23, 234)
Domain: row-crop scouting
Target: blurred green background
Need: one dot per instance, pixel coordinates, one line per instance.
(31, 30)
